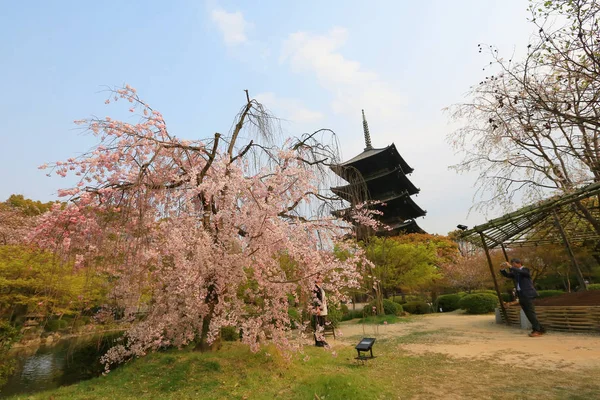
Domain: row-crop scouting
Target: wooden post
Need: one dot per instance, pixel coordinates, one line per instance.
(504, 251)
(489, 259)
(570, 251)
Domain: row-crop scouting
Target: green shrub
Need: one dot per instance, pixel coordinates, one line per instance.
(55, 325)
(230, 334)
(78, 323)
(549, 293)
(294, 316)
(8, 335)
(414, 297)
(368, 308)
(448, 302)
(399, 302)
(594, 286)
(507, 297)
(417, 307)
(379, 319)
(399, 309)
(479, 303)
(351, 314)
(344, 308)
(389, 308)
(488, 291)
(334, 315)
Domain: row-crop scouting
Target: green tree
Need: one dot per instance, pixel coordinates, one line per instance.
(27, 206)
(407, 266)
(8, 335)
(36, 281)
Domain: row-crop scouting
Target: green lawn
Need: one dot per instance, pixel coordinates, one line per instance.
(233, 372)
(381, 319)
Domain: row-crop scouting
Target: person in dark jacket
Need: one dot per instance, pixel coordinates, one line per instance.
(521, 277)
(319, 312)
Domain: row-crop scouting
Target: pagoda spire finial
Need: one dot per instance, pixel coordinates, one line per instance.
(367, 134)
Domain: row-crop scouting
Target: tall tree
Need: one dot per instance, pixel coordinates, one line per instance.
(470, 271)
(199, 226)
(403, 264)
(532, 125)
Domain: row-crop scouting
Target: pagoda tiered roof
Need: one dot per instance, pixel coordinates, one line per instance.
(381, 175)
(409, 226)
(372, 161)
(393, 207)
(378, 184)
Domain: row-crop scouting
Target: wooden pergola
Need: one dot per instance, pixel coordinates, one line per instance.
(558, 219)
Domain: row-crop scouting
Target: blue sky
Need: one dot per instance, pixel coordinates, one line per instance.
(314, 64)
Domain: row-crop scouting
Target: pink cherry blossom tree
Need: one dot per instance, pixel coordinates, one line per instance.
(194, 230)
(14, 225)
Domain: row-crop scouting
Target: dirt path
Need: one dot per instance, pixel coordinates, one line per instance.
(479, 337)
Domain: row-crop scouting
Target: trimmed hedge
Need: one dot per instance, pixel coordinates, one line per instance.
(448, 302)
(479, 303)
(505, 296)
(417, 307)
(549, 293)
(594, 286)
(351, 314)
(488, 291)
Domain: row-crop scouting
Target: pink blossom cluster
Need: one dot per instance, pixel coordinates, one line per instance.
(196, 234)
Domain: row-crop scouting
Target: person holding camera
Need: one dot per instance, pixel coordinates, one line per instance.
(521, 277)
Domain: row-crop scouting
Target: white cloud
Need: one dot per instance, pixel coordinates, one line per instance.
(288, 108)
(352, 86)
(233, 26)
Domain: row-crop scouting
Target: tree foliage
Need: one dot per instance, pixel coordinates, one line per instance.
(36, 281)
(470, 272)
(28, 207)
(405, 262)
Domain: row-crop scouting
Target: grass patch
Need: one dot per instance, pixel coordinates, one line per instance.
(233, 372)
(381, 319)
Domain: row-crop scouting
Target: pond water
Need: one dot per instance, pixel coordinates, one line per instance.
(63, 363)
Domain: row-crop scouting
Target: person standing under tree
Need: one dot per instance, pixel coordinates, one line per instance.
(521, 277)
(319, 312)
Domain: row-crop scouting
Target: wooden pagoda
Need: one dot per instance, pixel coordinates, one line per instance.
(380, 174)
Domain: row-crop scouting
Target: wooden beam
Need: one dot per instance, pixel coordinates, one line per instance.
(489, 259)
(504, 251)
(570, 251)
